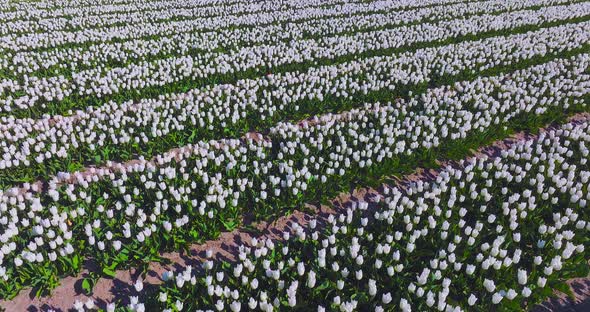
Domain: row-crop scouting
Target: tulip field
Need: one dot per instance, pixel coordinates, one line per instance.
(131, 130)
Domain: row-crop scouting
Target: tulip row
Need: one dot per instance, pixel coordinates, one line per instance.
(99, 12)
(96, 14)
(98, 84)
(67, 60)
(126, 214)
(15, 42)
(52, 20)
(43, 147)
(166, 12)
(496, 233)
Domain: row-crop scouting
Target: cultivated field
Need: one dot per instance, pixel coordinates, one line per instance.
(307, 155)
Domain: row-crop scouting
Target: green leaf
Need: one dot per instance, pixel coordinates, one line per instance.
(324, 285)
(75, 261)
(87, 286)
(109, 272)
(40, 291)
